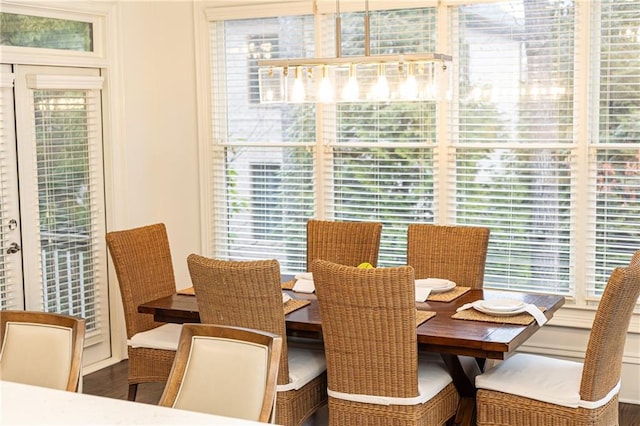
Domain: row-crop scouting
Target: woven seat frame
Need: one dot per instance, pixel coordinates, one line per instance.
(248, 294)
(456, 253)
(147, 365)
(601, 371)
(346, 243)
(369, 329)
(498, 408)
(142, 261)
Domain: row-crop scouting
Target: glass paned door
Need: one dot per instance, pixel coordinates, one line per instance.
(59, 156)
(11, 290)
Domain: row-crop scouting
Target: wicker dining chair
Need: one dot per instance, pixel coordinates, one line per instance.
(223, 370)
(41, 349)
(537, 390)
(375, 376)
(248, 294)
(142, 260)
(346, 243)
(456, 253)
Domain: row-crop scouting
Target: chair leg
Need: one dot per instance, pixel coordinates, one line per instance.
(133, 389)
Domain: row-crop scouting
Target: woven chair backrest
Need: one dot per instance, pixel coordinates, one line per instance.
(346, 243)
(456, 253)
(241, 294)
(369, 328)
(142, 260)
(603, 358)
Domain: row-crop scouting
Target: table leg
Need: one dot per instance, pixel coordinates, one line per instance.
(466, 412)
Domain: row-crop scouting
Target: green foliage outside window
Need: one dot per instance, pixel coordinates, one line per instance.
(50, 33)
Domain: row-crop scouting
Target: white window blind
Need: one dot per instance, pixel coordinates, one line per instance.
(514, 152)
(62, 193)
(562, 207)
(262, 181)
(615, 139)
(379, 167)
(64, 129)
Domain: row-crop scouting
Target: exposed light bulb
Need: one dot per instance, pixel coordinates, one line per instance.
(269, 95)
(380, 91)
(351, 92)
(325, 90)
(409, 88)
(431, 90)
(297, 93)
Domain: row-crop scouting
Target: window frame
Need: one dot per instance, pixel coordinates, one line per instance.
(98, 14)
(574, 312)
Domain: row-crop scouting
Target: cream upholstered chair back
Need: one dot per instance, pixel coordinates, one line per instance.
(249, 294)
(41, 349)
(224, 370)
(603, 358)
(345, 243)
(456, 253)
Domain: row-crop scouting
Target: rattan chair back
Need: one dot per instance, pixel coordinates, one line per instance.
(345, 243)
(456, 253)
(369, 329)
(241, 294)
(142, 260)
(41, 349)
(249, 294)
(601, 369)
(603, 358)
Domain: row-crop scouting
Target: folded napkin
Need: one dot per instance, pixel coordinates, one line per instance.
(285, 297)
(465, 307)
(530, 308)
(422, 293)
(536, 313)
(304, 285)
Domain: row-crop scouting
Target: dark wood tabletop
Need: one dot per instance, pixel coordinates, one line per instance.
(439, 334)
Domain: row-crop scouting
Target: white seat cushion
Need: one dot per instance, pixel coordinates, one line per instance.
(305, 364)
(164, 337)
(432, 378)
(545, 379)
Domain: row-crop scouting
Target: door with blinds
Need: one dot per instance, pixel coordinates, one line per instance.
(53, 216)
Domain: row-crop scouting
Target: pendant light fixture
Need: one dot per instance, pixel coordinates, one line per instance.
(368, 78)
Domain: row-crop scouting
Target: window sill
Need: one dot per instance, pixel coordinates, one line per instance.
(582, 317)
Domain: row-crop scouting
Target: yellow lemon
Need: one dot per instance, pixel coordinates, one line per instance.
(365, 265)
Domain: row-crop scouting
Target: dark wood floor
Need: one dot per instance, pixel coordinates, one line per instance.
(112, 382)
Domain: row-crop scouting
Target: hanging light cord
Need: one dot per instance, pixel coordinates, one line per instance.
(338, 30)
(367, 32)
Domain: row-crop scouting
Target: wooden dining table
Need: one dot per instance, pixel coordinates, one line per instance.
(442, 334)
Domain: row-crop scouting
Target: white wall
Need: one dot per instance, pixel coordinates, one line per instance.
(158, 165)
(152, 141)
